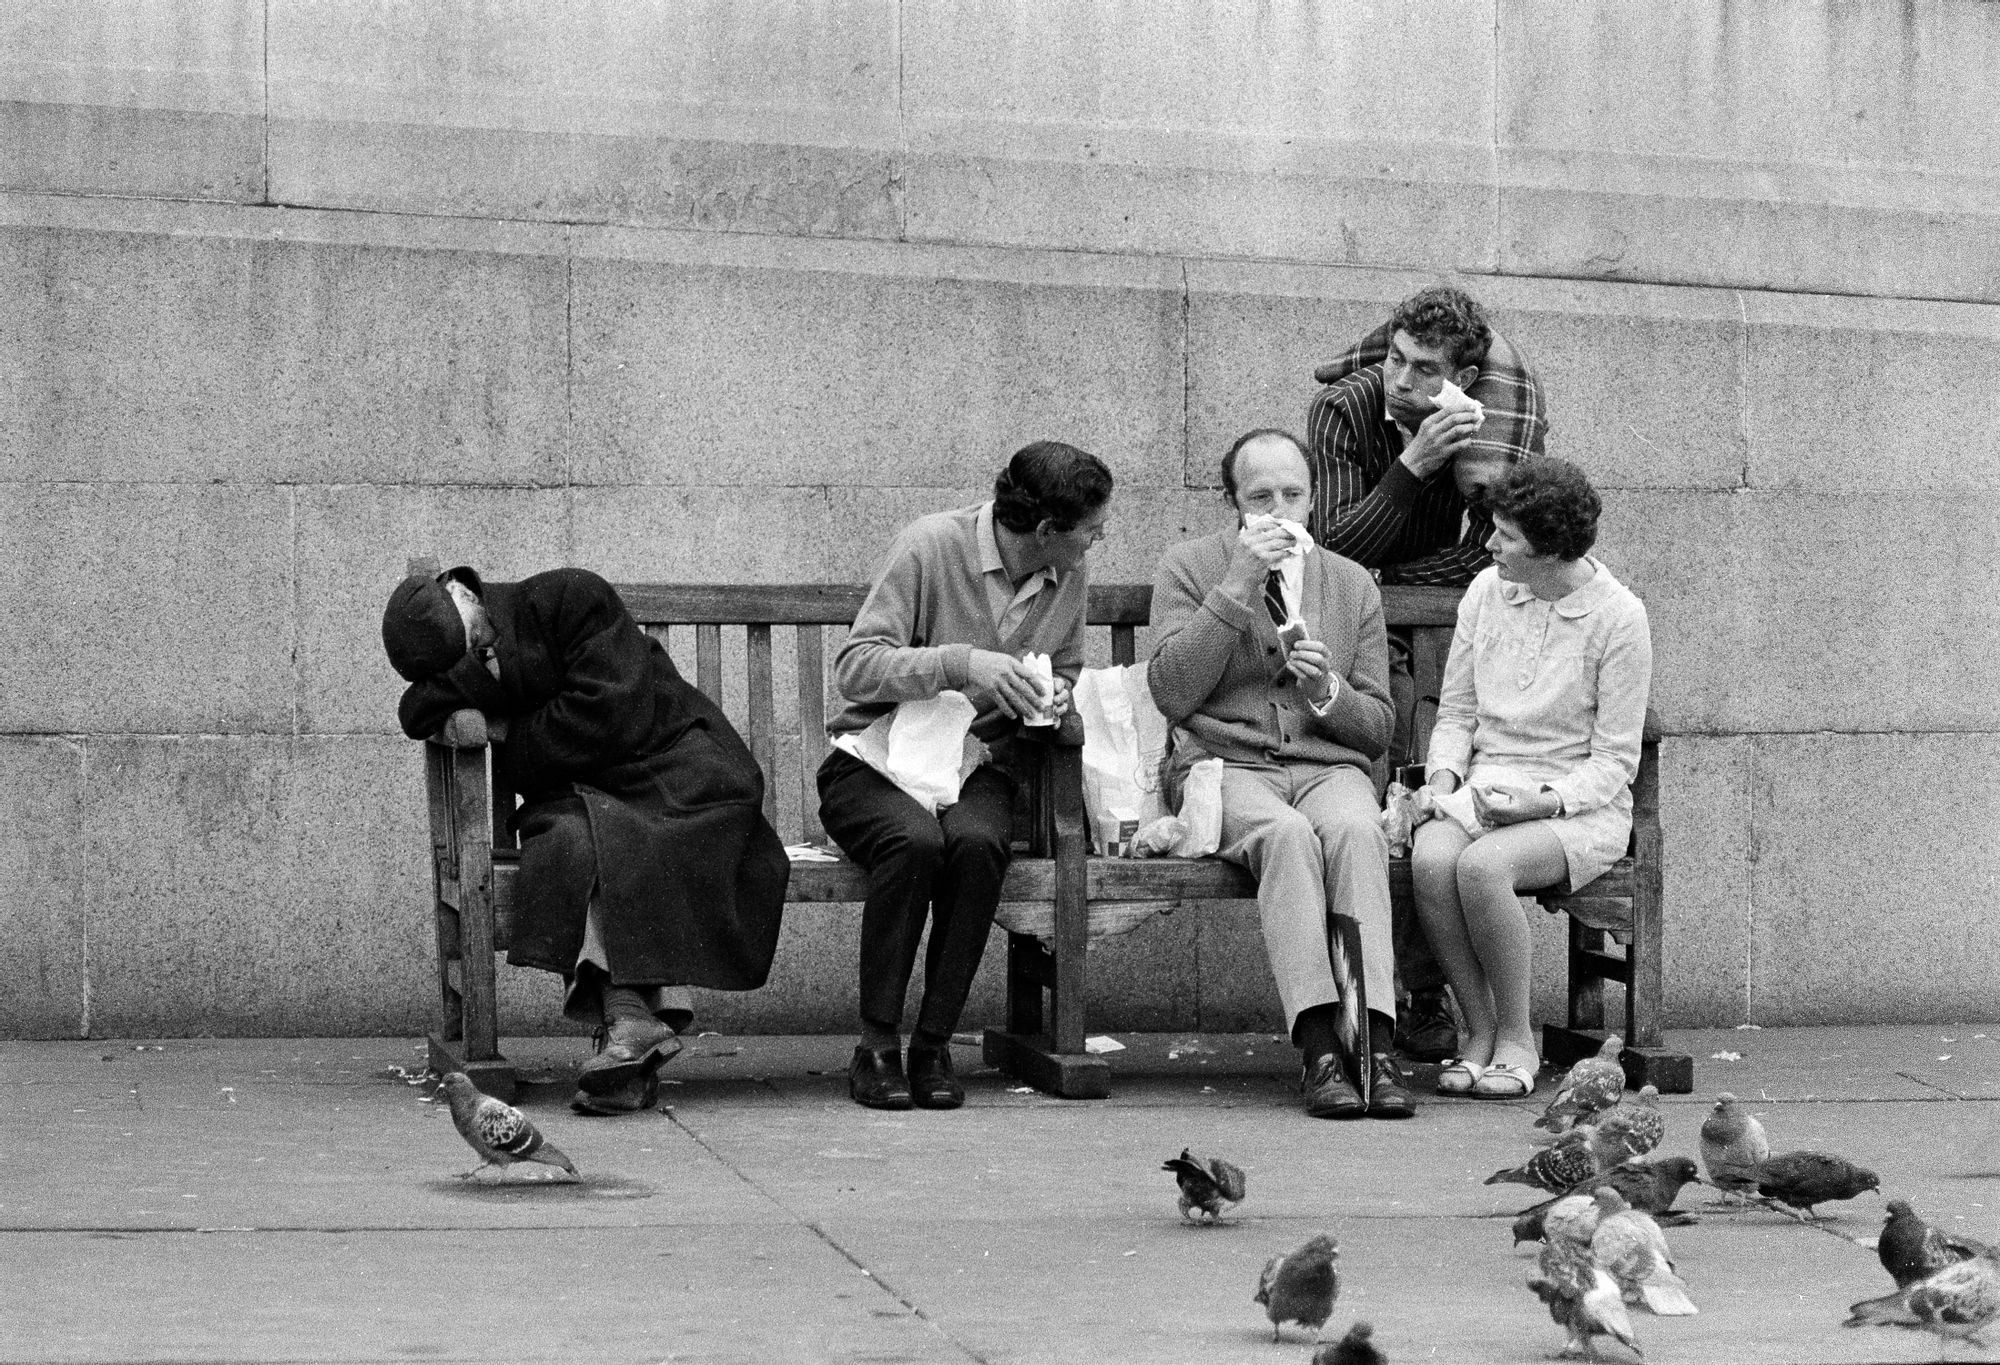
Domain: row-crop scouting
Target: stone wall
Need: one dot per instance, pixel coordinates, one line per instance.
(728, 291)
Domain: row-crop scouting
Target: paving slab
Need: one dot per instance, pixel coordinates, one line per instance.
(294, 1200)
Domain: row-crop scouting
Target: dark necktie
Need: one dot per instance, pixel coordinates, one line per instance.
(1274, 598)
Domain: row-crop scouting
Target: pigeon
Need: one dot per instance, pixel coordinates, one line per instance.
(1649, 1186)
(500, 1133)
(1733, 1146)
(1632, 1127)
(1582, 1298)
(1632, 1249)
(1558, 1166)
(1800, 1180)
(1301, 1287)
(1205, 1189)
(1957, 1301)
(1913, 1250)
(1592, 1084)
(1573, 1218)
(1353, 1349)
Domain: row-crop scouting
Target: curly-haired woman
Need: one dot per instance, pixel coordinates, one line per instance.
(1540, 718)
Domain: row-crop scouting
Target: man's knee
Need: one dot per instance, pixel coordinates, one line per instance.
(1287, 834)
(1352, 833)
(912, 846)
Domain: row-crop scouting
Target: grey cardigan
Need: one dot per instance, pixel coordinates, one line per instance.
(1218, 670)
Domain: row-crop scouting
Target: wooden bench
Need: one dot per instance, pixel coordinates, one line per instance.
(1056, 896)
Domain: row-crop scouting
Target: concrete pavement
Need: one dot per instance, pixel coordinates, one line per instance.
(293, 1200)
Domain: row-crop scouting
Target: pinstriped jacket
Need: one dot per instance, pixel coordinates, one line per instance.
(1366, 503)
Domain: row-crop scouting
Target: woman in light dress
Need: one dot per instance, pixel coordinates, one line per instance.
(1539, 721)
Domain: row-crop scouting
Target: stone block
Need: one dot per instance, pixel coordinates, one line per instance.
(812, 988)
(1865, 395)
(353, 545)
(146, 608)
(871, 370)
(280, 886)
(1304, 134)
(209, 358)
(1867, 906)
(1712, 144)
(1235, 992)
(1147, 981)
(45, 954)
(724, 116)
(133, 98)
(1705, 814)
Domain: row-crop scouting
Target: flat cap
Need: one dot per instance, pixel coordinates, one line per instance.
(421, 629)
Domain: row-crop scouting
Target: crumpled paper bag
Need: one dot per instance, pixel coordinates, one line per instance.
(1451, 398)
(925, 747)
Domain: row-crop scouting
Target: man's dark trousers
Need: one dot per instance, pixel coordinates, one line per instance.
(1417, 966)
(949, 865)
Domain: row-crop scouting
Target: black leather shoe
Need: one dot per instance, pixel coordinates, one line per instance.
(1329, 1094)
(932, 1084)
(1387, 1099)
(639, 1094)
(1426, 1032)
(875, 1078)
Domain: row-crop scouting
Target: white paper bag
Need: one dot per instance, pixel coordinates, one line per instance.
(1124, 739)
(925, 747)
(1201, 810)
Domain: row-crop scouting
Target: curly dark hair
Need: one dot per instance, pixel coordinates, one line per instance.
(1447, 317)
(1553, 504)
(1049, 481)
(1235, 449)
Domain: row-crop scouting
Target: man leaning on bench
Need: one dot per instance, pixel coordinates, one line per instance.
(647, 862)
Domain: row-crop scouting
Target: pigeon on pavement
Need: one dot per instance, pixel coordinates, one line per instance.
(500, 1133)
(1632, 1127)
(1593, 1084)
(1573, 1218)
(1733, 1146)
(1799, 1180)
(1353, 1349)
(1558, 1166)
(1958, 1301)
(1913, 1250)
(1205, 1188)
(1649, 1186)
(1631, 1247)
(1582, 1298)
(1301, 1287)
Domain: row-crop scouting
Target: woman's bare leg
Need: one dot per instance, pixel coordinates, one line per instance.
(1491, 872)
(1434, 874)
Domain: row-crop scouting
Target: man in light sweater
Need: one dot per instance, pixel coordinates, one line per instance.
(1272, 657)
(963, 596)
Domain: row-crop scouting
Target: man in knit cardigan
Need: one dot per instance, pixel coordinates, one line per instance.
(1272, 657)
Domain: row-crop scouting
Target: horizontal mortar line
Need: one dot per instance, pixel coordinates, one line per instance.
(903, 239)
(85, 735)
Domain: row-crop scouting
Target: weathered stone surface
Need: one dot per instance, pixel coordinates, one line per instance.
(1308, 134)
(764, 373)
(1874, 395)
(235, 359)
(256, 886)
(1713, 144)
(133, 98)
(353, 547)
(1755, 629)
(1235, 990)
(722, 116)
(1871, 898)
(45, 953)
(1706, 813)
(146, 608)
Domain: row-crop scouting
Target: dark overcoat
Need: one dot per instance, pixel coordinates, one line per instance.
(633, 784)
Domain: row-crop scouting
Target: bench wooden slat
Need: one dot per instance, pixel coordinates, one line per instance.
(1124, 643)
(812, 725)
(763, 742)
(708, 661)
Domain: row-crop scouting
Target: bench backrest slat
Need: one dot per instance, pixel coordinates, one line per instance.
(708, 660)
(763, 736)
(812, 721)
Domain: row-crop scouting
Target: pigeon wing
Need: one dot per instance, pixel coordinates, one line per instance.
(1229, 1179)
(504, 1130)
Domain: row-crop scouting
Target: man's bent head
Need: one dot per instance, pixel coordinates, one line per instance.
(425, 628)
(1438, 334)
(1057, 495)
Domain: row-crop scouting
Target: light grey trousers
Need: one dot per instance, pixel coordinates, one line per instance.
(1312, 835)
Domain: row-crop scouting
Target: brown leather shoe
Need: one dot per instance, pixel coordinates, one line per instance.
(1329, 1094)
(1387, 1099)
(632, 1048)
(875, 1078)
(932, 1084)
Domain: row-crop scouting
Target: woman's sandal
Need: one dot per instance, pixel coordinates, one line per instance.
(1500, 1081)
(1459, 1077)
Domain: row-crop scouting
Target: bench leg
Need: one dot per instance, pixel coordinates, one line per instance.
(495, 1076)
(1586, 987)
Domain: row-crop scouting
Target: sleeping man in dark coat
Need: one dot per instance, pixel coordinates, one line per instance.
(646, 863)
